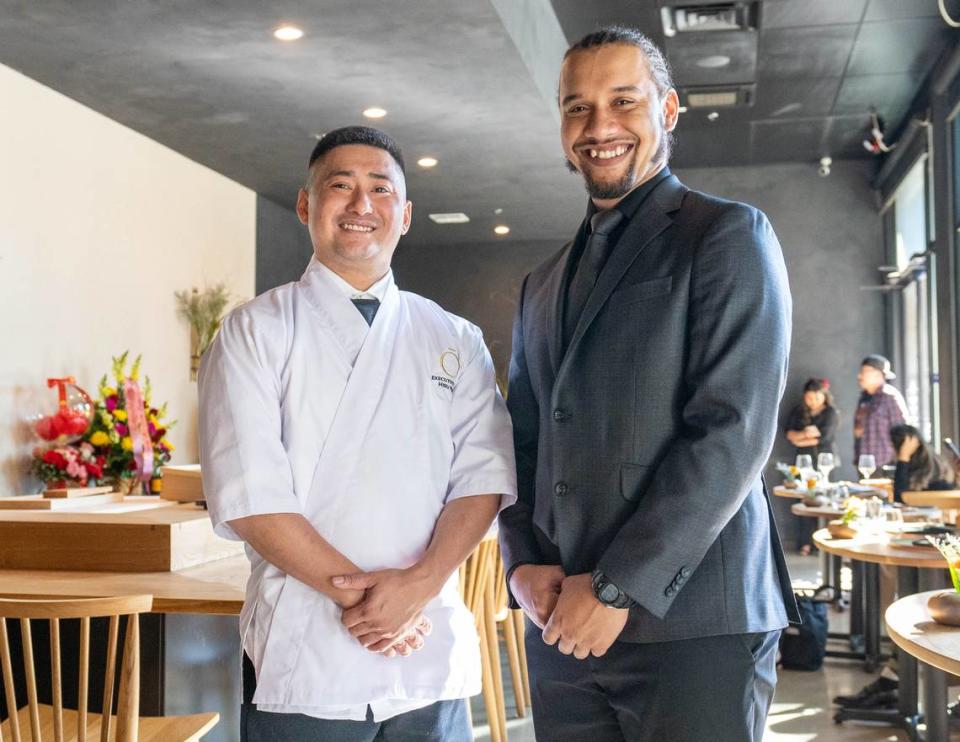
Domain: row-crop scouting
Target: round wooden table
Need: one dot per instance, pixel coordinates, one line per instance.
(937, 647)
(917, 569)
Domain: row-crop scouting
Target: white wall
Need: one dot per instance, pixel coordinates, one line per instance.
(99, 225)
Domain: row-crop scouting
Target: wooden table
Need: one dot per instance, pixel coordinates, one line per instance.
(916, 569)
(937, 648)
(215, 588)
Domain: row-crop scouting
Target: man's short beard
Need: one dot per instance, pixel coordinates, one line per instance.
(606, 191)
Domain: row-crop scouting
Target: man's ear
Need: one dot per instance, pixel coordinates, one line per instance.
(407, 217)
(303, 204)
(670, 109)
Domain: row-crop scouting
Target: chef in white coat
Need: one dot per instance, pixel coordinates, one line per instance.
(353, 436)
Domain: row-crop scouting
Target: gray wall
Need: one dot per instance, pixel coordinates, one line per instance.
(831, 237)
(283, 245)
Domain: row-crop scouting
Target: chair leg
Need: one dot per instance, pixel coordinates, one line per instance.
(493, 647)
(489, 692)
(513, 657)
(522, 647)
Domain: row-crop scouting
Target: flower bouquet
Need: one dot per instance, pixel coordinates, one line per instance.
(68, 465)
(791, 474)
(128, 432)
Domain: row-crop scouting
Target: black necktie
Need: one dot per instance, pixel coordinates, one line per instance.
(594, 256)
(367, 307)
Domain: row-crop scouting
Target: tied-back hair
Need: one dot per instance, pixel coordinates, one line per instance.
(926, 465)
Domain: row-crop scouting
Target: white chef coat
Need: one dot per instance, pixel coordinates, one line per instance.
(367, 431)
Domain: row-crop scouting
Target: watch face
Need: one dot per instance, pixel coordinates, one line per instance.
(609, 593)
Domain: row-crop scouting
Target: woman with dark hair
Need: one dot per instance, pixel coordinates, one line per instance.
(812, 427)
(918, 466)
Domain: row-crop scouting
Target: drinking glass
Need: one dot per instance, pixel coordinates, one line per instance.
(804, 463)
(893, 519)
(867, 465)
(825, 464)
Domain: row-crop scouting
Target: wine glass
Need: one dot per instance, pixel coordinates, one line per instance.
(825, 464)
(867, 465)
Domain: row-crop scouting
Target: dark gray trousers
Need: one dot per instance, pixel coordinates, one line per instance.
(443, 721)
(714, 689)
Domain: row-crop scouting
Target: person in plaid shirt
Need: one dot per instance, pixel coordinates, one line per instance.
(881, 407)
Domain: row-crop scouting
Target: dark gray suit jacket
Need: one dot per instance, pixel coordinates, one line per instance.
(640, 449)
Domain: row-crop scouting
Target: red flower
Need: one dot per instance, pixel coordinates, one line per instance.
(55, 459)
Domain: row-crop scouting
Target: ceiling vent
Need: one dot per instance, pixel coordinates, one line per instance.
(718, 96)
(681, 19)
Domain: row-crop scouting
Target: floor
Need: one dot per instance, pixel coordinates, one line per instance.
(801, 710)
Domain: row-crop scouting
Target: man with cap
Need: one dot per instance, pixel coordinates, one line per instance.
(881, 406)
(353, 436)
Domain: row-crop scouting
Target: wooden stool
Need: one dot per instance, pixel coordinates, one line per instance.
(477, 590)
(511, 621)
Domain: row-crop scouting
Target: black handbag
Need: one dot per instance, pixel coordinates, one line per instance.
(803, 646)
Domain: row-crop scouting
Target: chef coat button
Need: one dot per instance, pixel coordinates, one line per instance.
(561, 489)
(560, 415)
(684, 572)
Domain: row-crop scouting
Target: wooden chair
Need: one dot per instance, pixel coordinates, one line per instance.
(477, 590)
(511, 623)
(59, 724)
(947, 500)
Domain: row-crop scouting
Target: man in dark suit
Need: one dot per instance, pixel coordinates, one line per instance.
(649, 358)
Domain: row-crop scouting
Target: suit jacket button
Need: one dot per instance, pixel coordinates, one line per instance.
(560, 489)
(670, 591)
(559, 415)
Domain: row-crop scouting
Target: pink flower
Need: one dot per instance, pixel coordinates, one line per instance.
(74, 469)
(111, 402)
(120, 428)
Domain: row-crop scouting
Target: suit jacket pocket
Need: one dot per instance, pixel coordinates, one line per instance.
(641, 291)
(634, 479)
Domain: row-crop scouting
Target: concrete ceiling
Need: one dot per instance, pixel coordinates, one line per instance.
(470, 83)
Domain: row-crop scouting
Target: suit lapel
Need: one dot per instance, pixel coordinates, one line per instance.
(648, 223)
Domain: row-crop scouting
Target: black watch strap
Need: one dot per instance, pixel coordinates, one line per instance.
(608, 593)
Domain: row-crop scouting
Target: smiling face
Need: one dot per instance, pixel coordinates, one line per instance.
(355, 209)
(614, 124)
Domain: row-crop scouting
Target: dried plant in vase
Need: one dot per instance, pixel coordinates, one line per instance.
(203, 311)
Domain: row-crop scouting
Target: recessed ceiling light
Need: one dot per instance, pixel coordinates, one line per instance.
(427, 162)
(498, 211)
(713, 62)
(287, 32)
(501, 229)
(455, 217)
(713, 116)
(375, 113)
(682, 109)
(318, 135)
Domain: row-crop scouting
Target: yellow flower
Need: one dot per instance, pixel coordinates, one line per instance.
(107, 391)
(106, 418)
(167, 444)
(99, 438)
(127, 443)
(121, 415)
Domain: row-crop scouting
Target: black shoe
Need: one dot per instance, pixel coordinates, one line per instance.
(885, 699)
(880, 685)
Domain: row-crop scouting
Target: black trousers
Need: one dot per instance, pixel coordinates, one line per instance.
(714, 689)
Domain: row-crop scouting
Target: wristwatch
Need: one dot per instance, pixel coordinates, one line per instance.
(608, 593)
